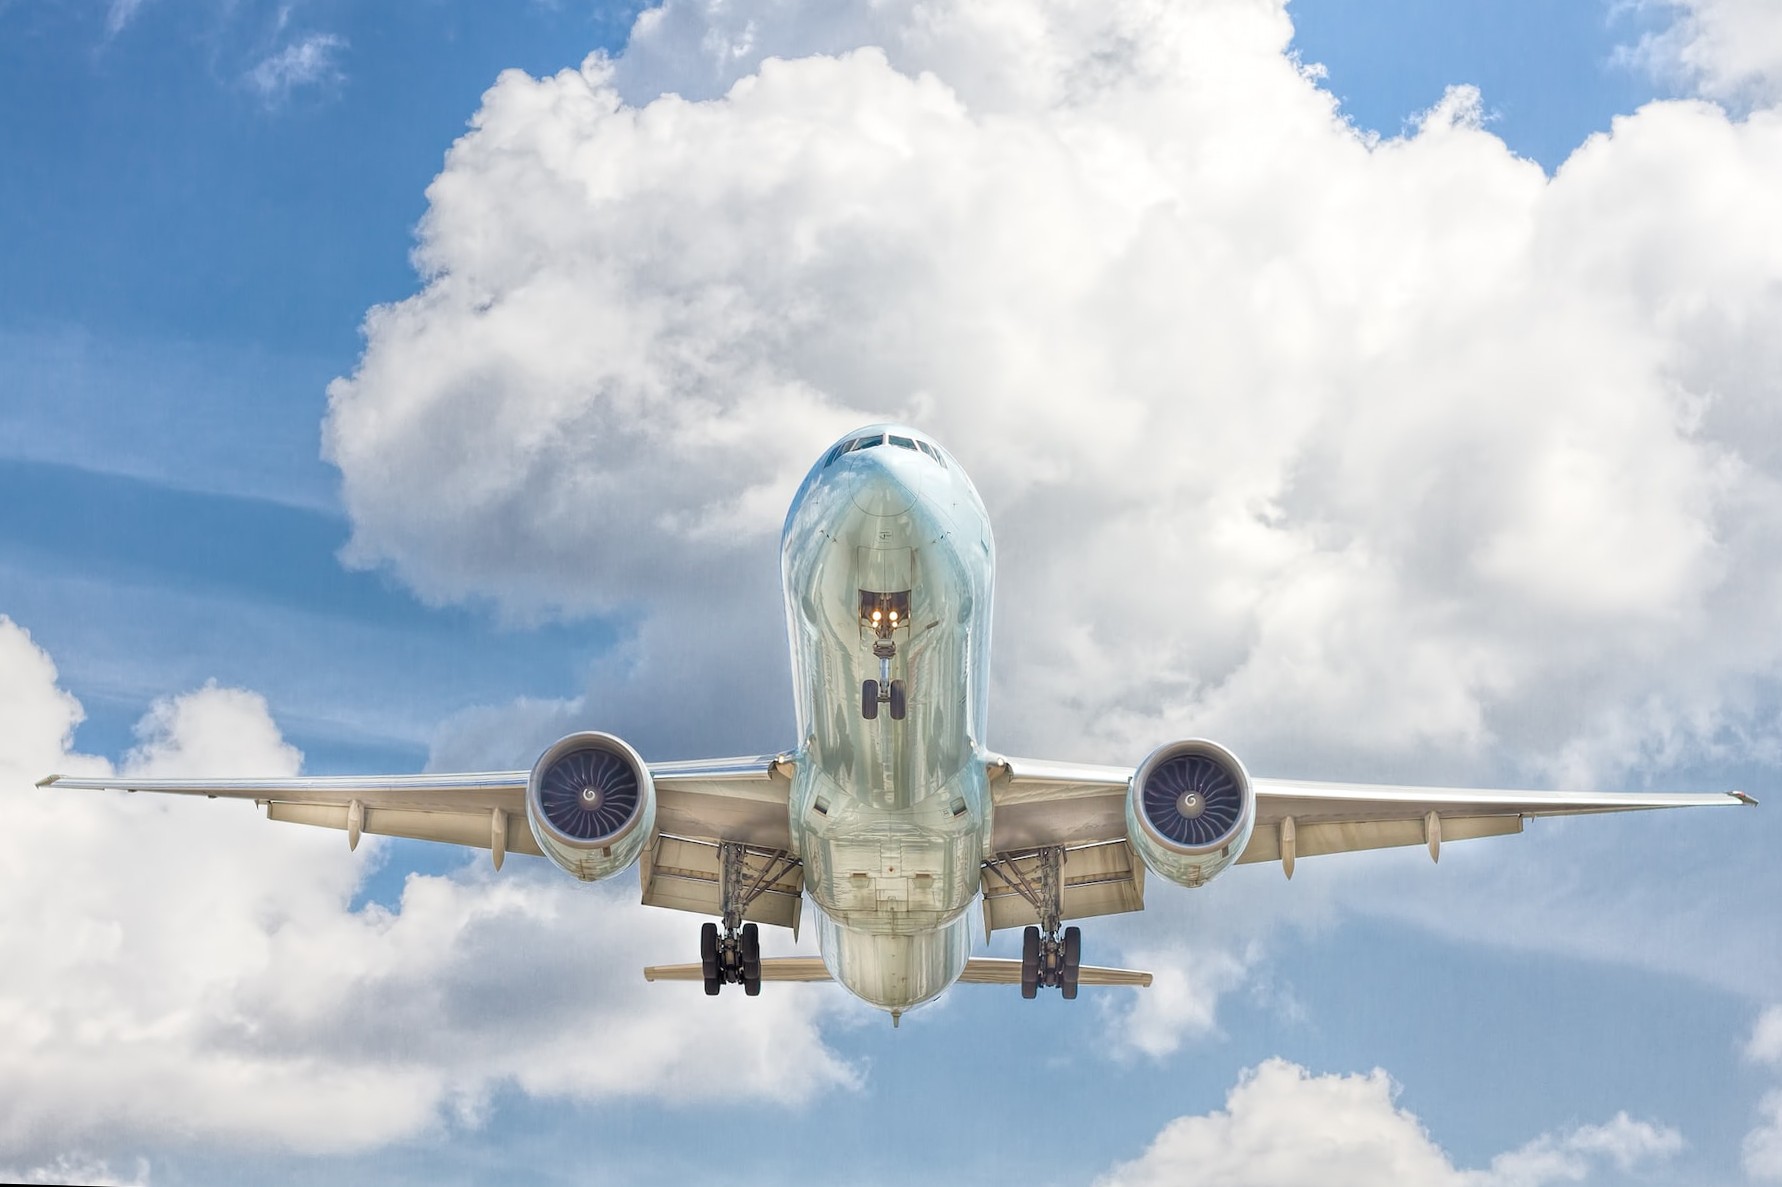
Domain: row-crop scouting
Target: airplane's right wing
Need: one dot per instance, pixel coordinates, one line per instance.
(1039, 804)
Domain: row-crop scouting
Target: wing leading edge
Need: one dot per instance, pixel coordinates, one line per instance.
(1081, 807)
(730, 799)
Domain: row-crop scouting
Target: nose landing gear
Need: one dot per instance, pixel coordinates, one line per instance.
(884, 613)
(873, 693)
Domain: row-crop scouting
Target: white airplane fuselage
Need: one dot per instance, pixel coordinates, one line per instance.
(890, 816)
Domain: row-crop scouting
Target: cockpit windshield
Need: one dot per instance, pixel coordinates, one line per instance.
(869, 440)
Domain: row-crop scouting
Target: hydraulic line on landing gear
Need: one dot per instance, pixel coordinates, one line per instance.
(1048, 959)
(734, 957)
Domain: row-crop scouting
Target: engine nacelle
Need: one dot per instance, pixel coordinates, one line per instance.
(1190, 811)
(591, 804)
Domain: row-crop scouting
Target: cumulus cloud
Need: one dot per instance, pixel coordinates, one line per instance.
(1182, 1003)
(1725, 49)
(1763, 1145)
(91, 1172)
(1273, 421)
(1283, 1126)
(1766, 1038)
(184, 968)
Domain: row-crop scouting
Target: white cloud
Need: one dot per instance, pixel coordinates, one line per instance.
(184, 967)
(1726, 49)
(91, 1172)
(1763, 1145)
(1766, 1038)
(1272, 422)
(309, 61)
(1283, 1126)
(118, 14)
(1182, 1003)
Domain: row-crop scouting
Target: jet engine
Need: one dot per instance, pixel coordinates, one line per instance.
(591, 804)
(1189, 811)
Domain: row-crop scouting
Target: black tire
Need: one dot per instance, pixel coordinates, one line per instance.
(1073, 960)
(1030, 946)
(751, 951)
(869, 700)
(898, 705)
(712, 985)
(708, 951)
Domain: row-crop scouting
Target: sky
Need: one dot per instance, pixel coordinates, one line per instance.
(1386, 390)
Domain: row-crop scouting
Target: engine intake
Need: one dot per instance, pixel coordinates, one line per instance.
(591, 804)
(1190, 811)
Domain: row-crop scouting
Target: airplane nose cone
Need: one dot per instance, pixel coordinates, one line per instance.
(883, 495)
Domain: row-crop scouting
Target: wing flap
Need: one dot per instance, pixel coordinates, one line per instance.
(1037, 803)
(1104, 879)
(688, 875)
(452, 828)
(1348, 836)
(737, 799)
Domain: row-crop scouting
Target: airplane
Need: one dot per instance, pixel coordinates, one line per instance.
(889, 813)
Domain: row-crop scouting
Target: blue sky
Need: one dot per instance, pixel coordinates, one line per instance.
(192, 235)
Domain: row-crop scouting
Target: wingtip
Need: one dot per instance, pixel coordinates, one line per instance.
(47, 780)
(1744, 799)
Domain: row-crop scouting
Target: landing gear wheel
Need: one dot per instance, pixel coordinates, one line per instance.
(1073, 960)
(708, 959)
(897, 701)
(1030, 958)
(869, 700)
(751, 960)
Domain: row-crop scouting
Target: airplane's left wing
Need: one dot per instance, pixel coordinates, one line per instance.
(700, 806)
(485, 809)
(1082, 808)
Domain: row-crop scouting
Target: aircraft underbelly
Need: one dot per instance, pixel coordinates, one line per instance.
(890, 817)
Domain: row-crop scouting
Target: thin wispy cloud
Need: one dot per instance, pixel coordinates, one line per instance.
(119, 14)
(310, 61)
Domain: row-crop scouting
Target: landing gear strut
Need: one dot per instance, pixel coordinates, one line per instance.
(1049, 958)
(733, 956)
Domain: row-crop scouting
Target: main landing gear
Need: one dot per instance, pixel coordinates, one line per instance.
(1051, 962)
(1050, 958)
(733, 956)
